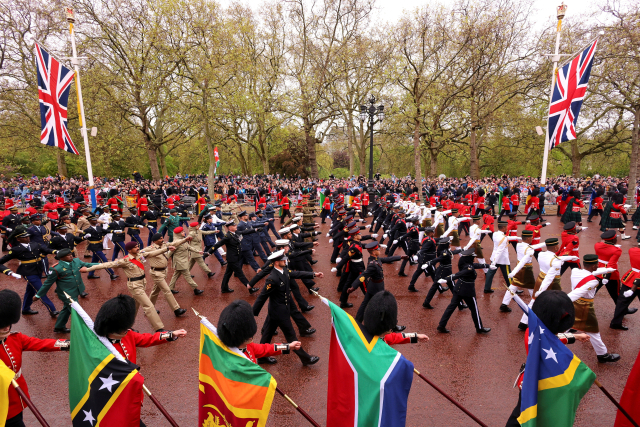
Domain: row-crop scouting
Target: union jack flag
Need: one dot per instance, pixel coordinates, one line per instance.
(568, 94)
(54, 82)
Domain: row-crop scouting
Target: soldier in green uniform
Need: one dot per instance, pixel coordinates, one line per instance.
(172, 222)
(66, 276)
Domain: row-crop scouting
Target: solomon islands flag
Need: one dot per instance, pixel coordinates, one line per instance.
(369, 381)
(104, 387)
(554, 382)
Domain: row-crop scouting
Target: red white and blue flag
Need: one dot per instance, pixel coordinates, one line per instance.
(568, 94)
(54, 82)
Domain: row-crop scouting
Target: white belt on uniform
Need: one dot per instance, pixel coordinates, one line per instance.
(602, 261)
(635, 269)
(356, 260)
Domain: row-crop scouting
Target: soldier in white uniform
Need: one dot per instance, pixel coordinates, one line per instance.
(549, 276)
(584, 284)
(522, 276)
(475, 235)
(454, 222)
(499, 256)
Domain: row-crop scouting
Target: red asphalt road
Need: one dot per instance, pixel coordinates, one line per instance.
(477, 370)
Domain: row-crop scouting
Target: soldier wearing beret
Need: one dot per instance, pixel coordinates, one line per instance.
(66, 276)
(13, 345)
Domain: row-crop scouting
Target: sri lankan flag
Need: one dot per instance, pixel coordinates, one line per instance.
(104, 388)
(554, 382)
(369, 381)
(234, 391)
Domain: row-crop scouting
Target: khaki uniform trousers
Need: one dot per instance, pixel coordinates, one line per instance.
(160, 285)
(187, 276)
(201, 264)
(138, 292)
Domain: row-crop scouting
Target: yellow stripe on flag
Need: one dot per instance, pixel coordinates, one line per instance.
(93, 376)
(6, 375)
(115, 395)
(560, 380)
(528, 414)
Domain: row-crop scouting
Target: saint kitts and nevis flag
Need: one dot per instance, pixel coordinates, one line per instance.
(555, 380)
(234, 391)
(104, 388)
(369, 381)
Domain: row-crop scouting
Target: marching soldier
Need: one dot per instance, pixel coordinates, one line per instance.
(522, 276)
(608, 255)
(196, 246)
(372, 279)
(426, 253)
(584, 286)
(9, 223)
(181, 256)
(278, 291)
(95, 234)
(236, 328)
(171, 223)
(13, 345)
(31, 268)
(463, 286)
(66, 275)
(116, 228)
(499, 256)
(64, 240)
(136, 282)
(232, 242)
(158, 265)
(570, 245)
(134, 225)
(628, 291)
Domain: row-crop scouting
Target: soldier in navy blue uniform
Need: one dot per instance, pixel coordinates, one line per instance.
(39, 234)
(444, 257)
(233, 243)
(116, 227)
(463, 285)
(265, 239)
(426, 253)
(270, 213)
(277, 290)
(257, 238)
(31, 267)
(372, 279)
(10, 223)
(247, 243)
(409, 242)
(134, 225)
(94, 235)
(210, 239)
(64, 240)
(151, 216)
(298, 258)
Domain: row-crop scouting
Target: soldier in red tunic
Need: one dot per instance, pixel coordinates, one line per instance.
(13, 345)
(236, 328)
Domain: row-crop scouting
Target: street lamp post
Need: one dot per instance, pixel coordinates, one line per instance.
(371, 112)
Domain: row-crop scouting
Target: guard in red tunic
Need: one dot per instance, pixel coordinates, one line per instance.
(506, 204)
(570, 246)
(112, 202)
(115, 320)
(236, 328)
(365, 203)
(535, 226)
(628, 291)
(285, 203)
(143, 203)
(608, 255)
(597, 206)
(13, 345)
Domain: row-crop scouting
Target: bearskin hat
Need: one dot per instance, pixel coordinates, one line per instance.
(506, 192)
(113, 192)
(236, 324)
(555, 310)
(600, 192)
(285, 192)
(231, 191)
(341, 190)
(10, 306)
(169, 191)
(116, 315)
(381, 314)
(576, 193)
(481, 192)
(383, 191)
(356, 192)
(618, 198)
(535, 191)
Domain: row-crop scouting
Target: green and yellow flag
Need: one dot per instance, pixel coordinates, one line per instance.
(234, 391)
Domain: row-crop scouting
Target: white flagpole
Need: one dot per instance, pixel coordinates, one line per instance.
(561, 10)
(83, 121)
